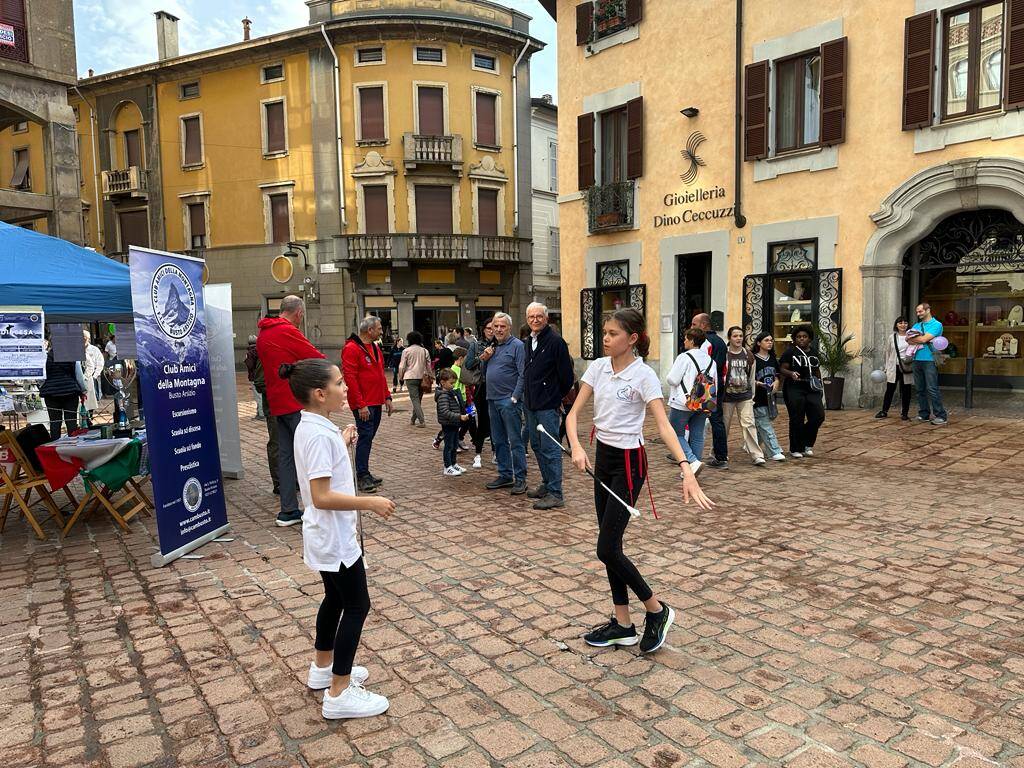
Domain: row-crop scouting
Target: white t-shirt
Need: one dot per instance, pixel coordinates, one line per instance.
(328, 536)
(111, 349)
(620, 400)
(684, 373)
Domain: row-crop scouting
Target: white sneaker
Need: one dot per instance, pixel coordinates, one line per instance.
(354, 701)
(494, 458)
(758, 461)
(476, 462)
(696, 467)
(808, 451)
(320, 677)
(796, 454)
(451, 472)
(779, 457)
(462, 470)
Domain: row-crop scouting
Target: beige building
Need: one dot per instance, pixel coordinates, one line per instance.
(833, 166)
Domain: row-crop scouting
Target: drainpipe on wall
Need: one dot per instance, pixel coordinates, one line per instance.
(337, 127)
(95, 174)
(738, 217)
(515, 139)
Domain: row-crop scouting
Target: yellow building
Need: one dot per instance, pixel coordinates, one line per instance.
(835, 166)
(234, 153)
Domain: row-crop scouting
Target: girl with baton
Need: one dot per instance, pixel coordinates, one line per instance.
(624, 390)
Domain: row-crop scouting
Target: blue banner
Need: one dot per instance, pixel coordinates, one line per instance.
(177, 397)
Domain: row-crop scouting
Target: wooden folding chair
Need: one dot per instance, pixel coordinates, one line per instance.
(133, 501)
(18, 483)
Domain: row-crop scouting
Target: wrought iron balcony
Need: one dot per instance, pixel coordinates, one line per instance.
(130, 182)
(610, 206)
(432, 150)
(400, 249)
(17, 50)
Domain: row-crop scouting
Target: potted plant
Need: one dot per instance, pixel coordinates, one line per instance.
(608, 14)
(610, 219)
(836, 356)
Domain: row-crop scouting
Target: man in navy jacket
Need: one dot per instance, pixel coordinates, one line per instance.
(548, 376)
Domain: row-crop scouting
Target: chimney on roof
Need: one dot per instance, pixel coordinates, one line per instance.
(546, 98)
(166, 35)
(90, 71)
(246, 24)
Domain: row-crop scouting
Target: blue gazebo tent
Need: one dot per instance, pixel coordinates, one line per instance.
(71, 283)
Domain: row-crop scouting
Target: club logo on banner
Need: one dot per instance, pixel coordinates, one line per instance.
(174, 375)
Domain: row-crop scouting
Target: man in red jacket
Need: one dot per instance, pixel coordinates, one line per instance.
(362, 364)
(280, 341)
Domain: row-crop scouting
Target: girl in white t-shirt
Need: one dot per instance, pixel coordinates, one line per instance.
(624, 389)
(329, 541)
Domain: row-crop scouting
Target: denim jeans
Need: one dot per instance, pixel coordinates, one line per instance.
(286, 426)
(548, 455)
(766, 430)
(719, 434)
(451, 446)
(366, 431)
(697, 421)
(507, 437)
(926, 382)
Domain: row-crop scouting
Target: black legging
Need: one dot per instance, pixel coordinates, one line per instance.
(346, 598)
(612, 519)
(806, 415)
(890, 391)
(62, 408)
(483, 417)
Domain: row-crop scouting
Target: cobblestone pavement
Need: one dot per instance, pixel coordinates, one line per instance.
(833, 611)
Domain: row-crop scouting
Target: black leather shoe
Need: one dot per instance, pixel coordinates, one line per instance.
(519, 488)
(500, 482)
(538, 493)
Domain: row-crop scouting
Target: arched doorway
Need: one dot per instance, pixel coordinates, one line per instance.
(970, 269)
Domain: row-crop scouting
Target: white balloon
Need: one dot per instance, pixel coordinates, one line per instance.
(877, 376)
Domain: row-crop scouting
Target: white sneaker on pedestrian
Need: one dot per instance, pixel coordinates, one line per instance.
(477, 462)
(696, 467)
(808, 451)
(461, 469)
(779, 457)
(320, 677)
(758, 461)
(494, 458)
(354, 701)
(796, 454)
(452, 472)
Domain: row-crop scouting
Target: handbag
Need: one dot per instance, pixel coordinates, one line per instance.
(427, 382)
(906, 363)
(814, 381)
(773, 407)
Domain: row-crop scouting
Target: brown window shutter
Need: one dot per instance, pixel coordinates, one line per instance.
(193, 147)
(487, 210)
(197, 219)
(918, 69)
(635, 138)
(755, 111)
(134, 226)
(375, 209)
(275, 126)
(584, 22)
(585, 149)
(132, 149)
(833, 91)
(1014, 74)
(12, 11)
(433, 209)
(486, 119)
(634, 11)
(431, 104)
(371, 114)
(280, 231)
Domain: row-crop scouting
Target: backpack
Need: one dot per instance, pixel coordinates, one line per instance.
(703, 395)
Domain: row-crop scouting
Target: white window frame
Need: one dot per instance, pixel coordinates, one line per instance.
(497, 62)
(500, 188)
(436, 182)
(442, 63)
(20, 127)
(416, 85)
(383, 56)
(28, 168)
(387, 181)
(356, 88)
(277, 188)
(497, 119)
(181, 90)
(552, 165)
(195, 198)
(267, 154)
(263, 73)
(202, 141)
(554, 252)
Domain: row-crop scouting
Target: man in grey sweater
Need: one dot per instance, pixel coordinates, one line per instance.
(504, 362)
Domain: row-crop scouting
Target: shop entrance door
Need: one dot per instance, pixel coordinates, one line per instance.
(435, 323)
(693, 294)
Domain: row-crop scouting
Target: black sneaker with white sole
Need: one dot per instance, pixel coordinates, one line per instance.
(656, 629)
(612, 633)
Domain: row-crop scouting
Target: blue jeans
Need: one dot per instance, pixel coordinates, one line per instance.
(926, 382)
(366, 431)
(507, 437)
(549, 455)
(719, 434)
(697, 421)
(451, 446)
(766, 430)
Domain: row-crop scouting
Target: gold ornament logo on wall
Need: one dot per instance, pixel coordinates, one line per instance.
(691, 159)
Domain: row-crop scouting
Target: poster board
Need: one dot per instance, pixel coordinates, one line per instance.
(22, 351)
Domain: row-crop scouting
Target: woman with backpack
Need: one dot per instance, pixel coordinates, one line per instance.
(414, 370)
(738, 397)
(802, 390)
(899, 370)
(766, 384)
(691, 397)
